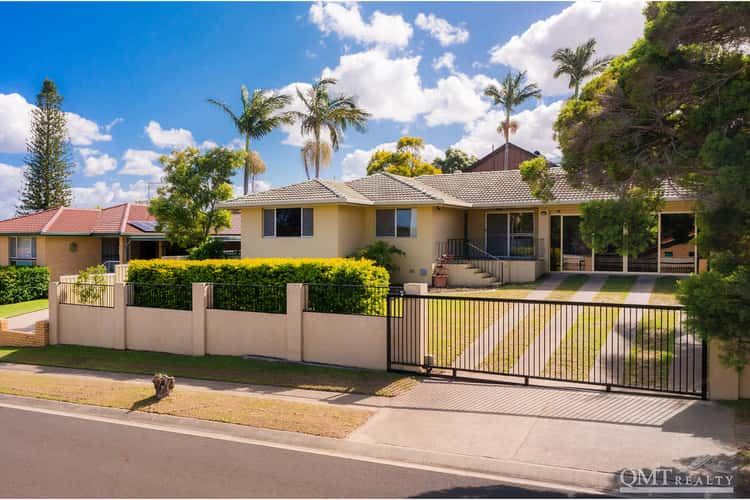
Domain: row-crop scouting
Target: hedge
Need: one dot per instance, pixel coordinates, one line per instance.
(260, 272)
(19, 284)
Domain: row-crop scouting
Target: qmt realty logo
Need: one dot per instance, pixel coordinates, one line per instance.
(667, 481)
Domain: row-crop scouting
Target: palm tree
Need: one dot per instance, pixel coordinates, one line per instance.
(577, 64)
(511, 94)
(261, 113)
(312, 150)
(326, 112)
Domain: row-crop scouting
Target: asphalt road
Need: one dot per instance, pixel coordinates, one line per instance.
(50, 455)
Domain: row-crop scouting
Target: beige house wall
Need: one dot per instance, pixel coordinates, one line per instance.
(351, 225)
(161, 330)
(4, 251)
(236, 333)
(55, 253)
(84, 325)
(344, 339)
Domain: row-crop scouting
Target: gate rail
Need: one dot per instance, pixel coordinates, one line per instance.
(643, 347)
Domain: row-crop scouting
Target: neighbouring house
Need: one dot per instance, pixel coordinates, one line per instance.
(495, 160)
(480, 227)
(67, 240)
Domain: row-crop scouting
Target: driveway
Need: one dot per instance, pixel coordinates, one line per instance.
(26, 322)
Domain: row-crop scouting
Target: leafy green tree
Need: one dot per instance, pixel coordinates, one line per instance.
(577, 64)
(513, 92)
(676, 108)
(49, 167)
(384, 254)
(186, 206)
(405, 161)
(261, 114)
(209, 249)
(323, 111)
(536, 174)
(455, 161)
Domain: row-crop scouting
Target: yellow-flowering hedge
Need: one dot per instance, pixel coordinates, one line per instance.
(267, 272)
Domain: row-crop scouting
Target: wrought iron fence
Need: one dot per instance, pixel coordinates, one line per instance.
(348, 299)
(641, 347)
(160, 295)
(244, 297)
(87, 294)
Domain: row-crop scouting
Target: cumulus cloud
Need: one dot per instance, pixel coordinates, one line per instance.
(15, 125)
(176, 138)
(108, 127)
(104, 194)
(346, 21)
(456, 99)
(96, 163)
(534, 132)
(259, 186)
(446, 61)
(354, 164)
(12, 179)
(207, 145)
(441, 30)
(615, 24)
(141, 162)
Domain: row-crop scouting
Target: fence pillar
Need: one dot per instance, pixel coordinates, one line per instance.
(200, 303)
(295, 304)
(54, 312)
(119, 328)
(723, 382)
(415, 315)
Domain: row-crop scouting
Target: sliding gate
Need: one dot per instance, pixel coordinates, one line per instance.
(645, 347)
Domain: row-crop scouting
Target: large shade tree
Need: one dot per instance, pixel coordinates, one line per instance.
(455, 160)
(324, 111)
(676, 109)
(512, 93)
(405, 161)
(261, 113)
(579, 64)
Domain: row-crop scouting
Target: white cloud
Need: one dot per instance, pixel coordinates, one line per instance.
(15, 125)
(12, 180)
(294, 136)
(207, 145)
(96, 163)
(534, 132)
(176, 138)
(615, 24)
(108, 127)
(456, 99)
(346, 21)
(446, 61)
(259, 186)
(441, 30)
(141, 162)
(103, 194)
(354, 164)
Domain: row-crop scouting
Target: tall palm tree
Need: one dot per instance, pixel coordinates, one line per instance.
(323, 111)
(512, 93)
(577, 64)
(261, 113)
(312, 150)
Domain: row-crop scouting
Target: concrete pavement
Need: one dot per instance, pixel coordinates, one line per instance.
(26, 322)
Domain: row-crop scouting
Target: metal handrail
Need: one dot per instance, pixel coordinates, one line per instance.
(481, 250)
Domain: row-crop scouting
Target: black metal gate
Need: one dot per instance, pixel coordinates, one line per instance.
(644, 347)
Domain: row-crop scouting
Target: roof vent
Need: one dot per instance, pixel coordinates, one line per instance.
(537, 153)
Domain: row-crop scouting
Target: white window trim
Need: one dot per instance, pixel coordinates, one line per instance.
(15, 258)
(412, 225)
(302, 223)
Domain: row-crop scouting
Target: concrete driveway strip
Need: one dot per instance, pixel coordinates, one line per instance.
(26, 322)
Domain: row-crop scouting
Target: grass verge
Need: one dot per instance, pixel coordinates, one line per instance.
(10, 310)
(268, 413)
(615, 289)
(222, 368)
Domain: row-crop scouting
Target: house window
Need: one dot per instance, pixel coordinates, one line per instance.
(22, 250)
(398, 222)
(287, 222)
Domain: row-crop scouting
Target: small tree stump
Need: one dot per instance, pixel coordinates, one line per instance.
(163, 384)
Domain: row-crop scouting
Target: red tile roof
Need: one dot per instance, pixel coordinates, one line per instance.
(94, 221)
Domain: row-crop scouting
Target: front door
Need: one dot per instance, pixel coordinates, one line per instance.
(497, 234)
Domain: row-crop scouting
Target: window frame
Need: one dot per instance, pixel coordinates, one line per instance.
(412, 222)
(13, 249)
(302, 227)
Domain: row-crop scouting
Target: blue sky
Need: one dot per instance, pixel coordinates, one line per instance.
(136, 76)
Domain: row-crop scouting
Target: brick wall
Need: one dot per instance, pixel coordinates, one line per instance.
(14, 338)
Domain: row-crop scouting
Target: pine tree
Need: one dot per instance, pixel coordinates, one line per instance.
(48, 170)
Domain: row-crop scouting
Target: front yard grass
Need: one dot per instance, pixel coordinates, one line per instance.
(221, 368)
(665, 291)
(615, 289)
(652, 350)
(269, 413)
(10, 310)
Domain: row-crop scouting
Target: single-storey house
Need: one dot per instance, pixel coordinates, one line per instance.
(481, 227)
(67, 240)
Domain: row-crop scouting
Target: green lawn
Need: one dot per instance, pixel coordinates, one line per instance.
(223, 368)
(652, 349)
(10, 310)
(615, 289)
(665, 291)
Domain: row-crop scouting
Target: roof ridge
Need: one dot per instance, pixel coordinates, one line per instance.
(334, 191)
(402, 180)
(29, 215)
(52, 219)
(125, 216)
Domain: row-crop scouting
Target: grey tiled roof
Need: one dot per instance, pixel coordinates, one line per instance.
(470, 189)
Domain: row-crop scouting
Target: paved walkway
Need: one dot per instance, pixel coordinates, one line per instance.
(26, 322)
(550, 431)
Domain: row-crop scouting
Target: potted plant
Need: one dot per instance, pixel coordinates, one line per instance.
(439, 276)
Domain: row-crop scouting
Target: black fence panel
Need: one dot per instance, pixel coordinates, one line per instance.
(160, 295)
(252, 298)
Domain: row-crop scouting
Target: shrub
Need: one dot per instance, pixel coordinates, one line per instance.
(269, 272)
(90, 285)
(19, 284)
(209, 249)
(382, 253)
